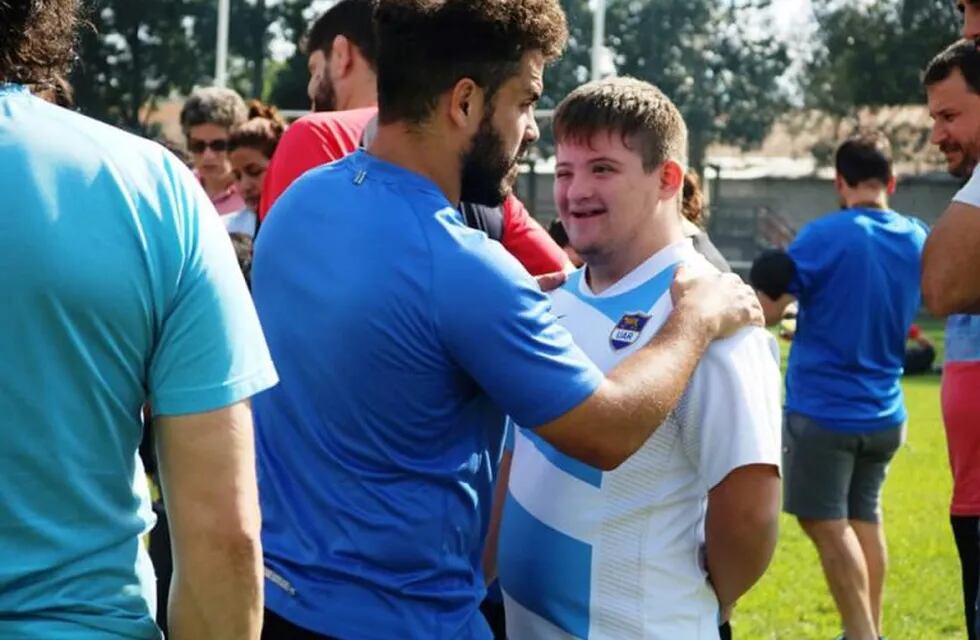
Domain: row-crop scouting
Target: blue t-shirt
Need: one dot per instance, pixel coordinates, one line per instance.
(401, 337)
(119, 287)
(857, 282)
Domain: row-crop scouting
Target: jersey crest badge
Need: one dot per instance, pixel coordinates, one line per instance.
(627, 330)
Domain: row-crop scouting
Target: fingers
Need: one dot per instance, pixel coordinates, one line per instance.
(551, 281)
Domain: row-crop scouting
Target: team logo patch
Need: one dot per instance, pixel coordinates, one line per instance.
(627, 330)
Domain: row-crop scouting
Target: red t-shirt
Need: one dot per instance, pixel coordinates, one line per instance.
(320, 138)
(314, 139)
(527, 240)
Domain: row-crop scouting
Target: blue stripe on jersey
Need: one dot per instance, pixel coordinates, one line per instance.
(963, 338)
(561, 566)
(569, 465)
(633, 301)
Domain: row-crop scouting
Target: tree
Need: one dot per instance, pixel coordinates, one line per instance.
(289, 87)
(132, 53)
(723, 75)
(871, 55)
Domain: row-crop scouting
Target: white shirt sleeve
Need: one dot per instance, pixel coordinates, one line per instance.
(970, 193)
(732, 409)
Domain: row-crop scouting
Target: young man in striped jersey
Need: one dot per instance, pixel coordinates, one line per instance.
(662, 547)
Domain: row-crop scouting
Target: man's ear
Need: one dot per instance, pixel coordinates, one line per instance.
(341, 57)
(466, 104)
(890, 187)
(671, 179)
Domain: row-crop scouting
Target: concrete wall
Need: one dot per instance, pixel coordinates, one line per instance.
(798, 200)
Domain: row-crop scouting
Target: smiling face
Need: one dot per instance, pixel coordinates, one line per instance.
(491, 164)
(606, 200)
(955, 110)
(250, 166)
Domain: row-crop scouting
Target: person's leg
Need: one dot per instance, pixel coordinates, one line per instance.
(967, 541)
(871, 538)
(846, 571)
(875, 453)
(817, 469)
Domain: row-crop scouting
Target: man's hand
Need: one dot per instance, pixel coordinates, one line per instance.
(721, 302)
(551, 281)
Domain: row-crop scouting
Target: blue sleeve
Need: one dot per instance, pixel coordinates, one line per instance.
(810, 256)
(209, 351)
(498, 327)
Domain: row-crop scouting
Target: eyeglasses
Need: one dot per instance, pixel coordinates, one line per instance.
(198, 146)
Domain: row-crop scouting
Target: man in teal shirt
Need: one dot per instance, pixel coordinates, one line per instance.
(120, 289)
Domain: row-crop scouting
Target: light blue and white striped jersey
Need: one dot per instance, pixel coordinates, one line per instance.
(618, 555)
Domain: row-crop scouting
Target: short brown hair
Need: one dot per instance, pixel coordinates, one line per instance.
(636, 110)
(261, 131)
(865, 155)
(426, 46)
(37, 39)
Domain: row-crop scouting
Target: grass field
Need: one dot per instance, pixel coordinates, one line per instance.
(922, 593)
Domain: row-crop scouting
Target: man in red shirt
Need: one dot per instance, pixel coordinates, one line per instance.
(343, 92)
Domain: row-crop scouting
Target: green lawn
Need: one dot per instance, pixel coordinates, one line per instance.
(922, 594)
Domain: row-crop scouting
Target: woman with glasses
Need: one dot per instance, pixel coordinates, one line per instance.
(207, 119)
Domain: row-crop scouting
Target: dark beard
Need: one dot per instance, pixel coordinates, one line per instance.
(488, 174)
(965, 168)
(325, 98)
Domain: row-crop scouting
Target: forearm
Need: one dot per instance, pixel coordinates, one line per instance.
(647, 386)
(217, 592)
(496, 515)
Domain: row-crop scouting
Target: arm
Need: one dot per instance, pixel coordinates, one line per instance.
(741, 528)
(207, 465)
(773, 310)
(950, 278)
(527, 241)
(636, 396)
(496, 514)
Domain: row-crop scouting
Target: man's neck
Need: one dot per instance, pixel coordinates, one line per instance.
(866, 198)
(421, 152)
(363, 94)
(609, 268)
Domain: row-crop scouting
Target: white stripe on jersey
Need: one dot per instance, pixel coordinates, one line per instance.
(617, 555)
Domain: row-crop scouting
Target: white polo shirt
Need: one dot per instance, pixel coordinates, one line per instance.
(619, 555)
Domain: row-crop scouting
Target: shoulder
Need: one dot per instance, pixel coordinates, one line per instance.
(749, 353)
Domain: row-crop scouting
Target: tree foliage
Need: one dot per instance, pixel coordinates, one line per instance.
(872, 54)
(133, 53)
(723, 75)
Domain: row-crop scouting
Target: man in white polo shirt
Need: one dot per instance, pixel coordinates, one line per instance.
(663, 546)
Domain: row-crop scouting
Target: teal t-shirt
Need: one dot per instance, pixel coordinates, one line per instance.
(119, 287)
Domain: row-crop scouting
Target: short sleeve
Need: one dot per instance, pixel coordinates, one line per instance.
(731, 411)
(810, 256)
(970, 193)
(498, 327)
(209, 350)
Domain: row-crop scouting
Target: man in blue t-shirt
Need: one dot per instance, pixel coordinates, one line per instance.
(120, 289)
(855, 274)
(402, 337)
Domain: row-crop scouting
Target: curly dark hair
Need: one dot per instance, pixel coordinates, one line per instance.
(426, 46)
(37, 39)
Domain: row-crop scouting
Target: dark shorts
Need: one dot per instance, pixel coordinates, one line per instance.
(833, 475)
